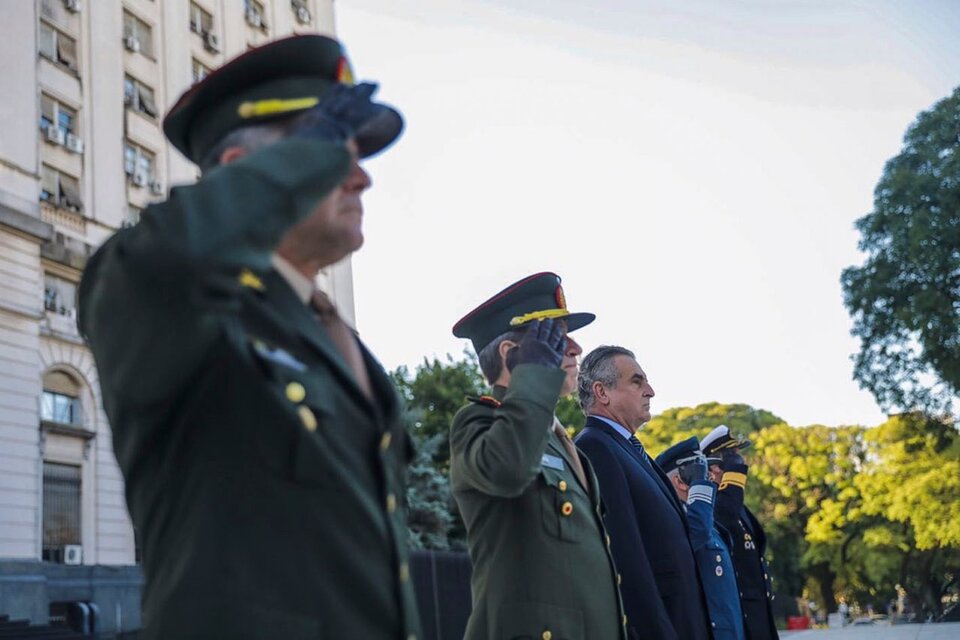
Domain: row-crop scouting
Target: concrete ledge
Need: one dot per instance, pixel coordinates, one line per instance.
(25, 223)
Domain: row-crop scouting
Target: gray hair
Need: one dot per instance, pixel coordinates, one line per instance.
(491, 364)
(250, 137)
(598, 367)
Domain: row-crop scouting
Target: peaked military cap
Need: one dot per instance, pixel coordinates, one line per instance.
(719, 439)
(277, 80)
(536, 297)
(671, 458)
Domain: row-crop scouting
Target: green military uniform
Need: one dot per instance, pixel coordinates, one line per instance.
(264, 484)
(542, 567)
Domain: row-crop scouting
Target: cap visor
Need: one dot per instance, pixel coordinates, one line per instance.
(579, 320)
(379, 131)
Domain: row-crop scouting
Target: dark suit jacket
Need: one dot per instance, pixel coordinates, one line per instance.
(541, 564)
(265, 486)
(749, 545)
(660, 586)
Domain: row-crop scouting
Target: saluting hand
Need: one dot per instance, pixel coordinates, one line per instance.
(339, 115)
(543, 344)
(731, 457)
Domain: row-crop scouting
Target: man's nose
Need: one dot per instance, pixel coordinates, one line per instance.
(650, 391)
(358, 179)
(573, 349)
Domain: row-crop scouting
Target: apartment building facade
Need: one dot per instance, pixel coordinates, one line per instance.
(84, 89)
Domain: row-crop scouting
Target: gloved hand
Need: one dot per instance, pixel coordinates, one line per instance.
(543, 344)
(694, 470)
(338, 116)
(731, 457)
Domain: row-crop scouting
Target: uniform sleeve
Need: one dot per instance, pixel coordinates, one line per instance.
(152, 297)
(730, 495)
(646, 615)
(498, 451)
(700, 513)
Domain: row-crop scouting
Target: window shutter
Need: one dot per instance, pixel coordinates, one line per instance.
(67, 51)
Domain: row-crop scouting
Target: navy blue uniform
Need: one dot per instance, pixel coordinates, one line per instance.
(749, 544)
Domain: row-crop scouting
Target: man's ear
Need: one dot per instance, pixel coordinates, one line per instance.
(232, 153)
(504, 347)
(600, 393)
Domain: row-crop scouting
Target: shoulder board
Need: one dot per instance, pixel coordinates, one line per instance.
(490, 401)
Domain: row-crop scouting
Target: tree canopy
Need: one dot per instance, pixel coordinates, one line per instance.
(905, 298)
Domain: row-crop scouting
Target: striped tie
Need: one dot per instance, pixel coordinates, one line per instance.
(638, 446)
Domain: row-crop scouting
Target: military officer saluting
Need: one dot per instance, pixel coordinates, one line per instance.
(542, 567)
(728, 469)
(686, 467)
(258, 438)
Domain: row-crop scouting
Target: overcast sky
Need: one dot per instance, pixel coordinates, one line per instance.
(691, 169)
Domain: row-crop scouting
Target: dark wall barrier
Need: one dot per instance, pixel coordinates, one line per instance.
(441, 580)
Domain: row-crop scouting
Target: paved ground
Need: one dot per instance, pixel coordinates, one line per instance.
(941, 631)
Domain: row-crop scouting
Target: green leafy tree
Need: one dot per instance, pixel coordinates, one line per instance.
(905, 299)
(569, 414)
(674, 425)
(912, 485)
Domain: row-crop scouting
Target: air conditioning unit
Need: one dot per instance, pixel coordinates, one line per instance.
(131, 43)
(74, 143)
(73, 6)
(156, 188)
(139, 178)
(303, 15)
(56, 135)
(72, 554)
(211, 43)
(254, 19)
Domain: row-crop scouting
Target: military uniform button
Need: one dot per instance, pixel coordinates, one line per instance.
(607, 538)
(713, 624)
(547, 635)
(385, 441)
(624, 619)
(619, 579)
(296, 392)
(719, 558)
(562, 485)
(391, 503)
(307, 418)
(412, 636)
(719, 571)
(567, 508)
(404, 572)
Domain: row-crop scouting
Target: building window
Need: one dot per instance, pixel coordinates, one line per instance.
(59, 295)
(139, 96)
(55, 113)
(138, 163)
(61, 509)
(60, 189)
(254, 14)
(198, 70)
(58, 47)
(137, 35)
(201, 22)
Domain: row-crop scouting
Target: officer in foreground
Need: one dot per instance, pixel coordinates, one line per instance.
(686, 467)
(258, 438)
(728, 469)
(541, 561)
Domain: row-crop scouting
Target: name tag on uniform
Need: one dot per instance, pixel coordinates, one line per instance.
(552, 462)
(279, 356)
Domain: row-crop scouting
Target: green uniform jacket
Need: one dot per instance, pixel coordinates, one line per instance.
(541, 563)
(264, 486)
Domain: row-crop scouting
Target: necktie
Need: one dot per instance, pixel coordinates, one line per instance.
(571, 451)
(343, 338)
(638, 446)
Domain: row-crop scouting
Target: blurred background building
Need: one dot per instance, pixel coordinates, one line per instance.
(85, 86)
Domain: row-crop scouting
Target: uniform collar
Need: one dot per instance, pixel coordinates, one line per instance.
(301, 284)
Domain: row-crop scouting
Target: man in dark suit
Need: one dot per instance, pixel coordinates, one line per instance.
(542, 566)
(259, 441)
(729, 471)
(648, 528)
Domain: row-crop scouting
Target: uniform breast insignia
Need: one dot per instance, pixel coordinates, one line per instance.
(719, 571)
(489, 401)
(251, 280)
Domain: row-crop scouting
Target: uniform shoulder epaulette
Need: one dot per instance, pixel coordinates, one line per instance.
(490, 401)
